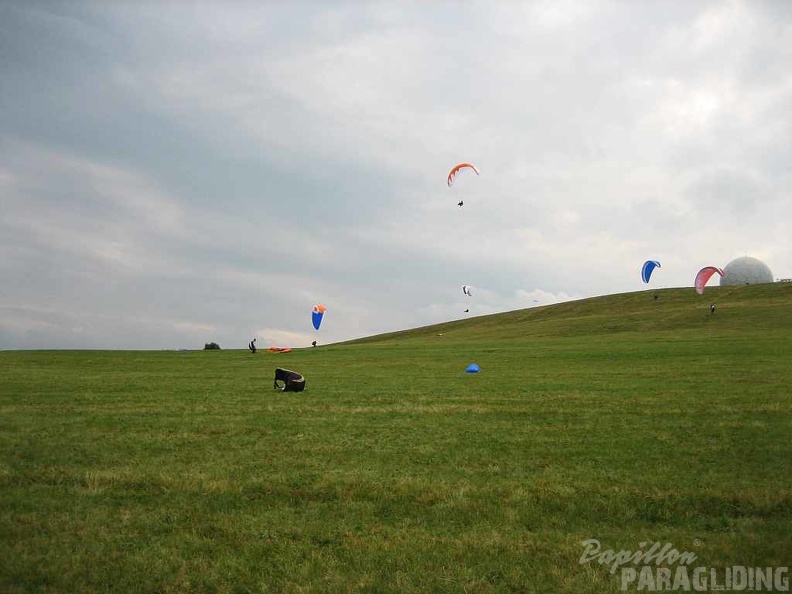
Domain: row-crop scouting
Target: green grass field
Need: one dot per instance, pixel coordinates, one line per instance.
(623, 418)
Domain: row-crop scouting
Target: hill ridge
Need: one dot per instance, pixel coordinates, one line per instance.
(678, 309)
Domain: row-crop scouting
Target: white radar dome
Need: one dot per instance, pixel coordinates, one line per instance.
(746, 271)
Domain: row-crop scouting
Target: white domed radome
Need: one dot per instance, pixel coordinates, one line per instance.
(746, 271)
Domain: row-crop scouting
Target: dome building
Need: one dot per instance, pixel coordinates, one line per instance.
(746, 271)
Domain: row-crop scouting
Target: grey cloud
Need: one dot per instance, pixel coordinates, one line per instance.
(199, 171)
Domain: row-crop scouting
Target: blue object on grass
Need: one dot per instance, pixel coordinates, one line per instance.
(472, 368)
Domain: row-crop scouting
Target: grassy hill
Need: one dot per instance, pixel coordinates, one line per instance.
(620, 418)
(739, 308)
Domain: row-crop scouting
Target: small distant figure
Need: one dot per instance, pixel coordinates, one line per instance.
(252, 345)
(467, 310)
(656, 296)
(712, 308)
(313, 343)
(460, 203)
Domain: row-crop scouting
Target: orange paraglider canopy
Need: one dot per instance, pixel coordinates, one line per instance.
(459, 166)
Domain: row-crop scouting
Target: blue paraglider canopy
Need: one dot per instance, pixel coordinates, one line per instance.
(472, 368)
(317, 314)
(647, 268)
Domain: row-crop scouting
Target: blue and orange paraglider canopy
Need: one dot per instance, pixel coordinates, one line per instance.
(317, 314)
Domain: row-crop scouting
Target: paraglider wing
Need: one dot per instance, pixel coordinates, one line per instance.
(317, 314)
(467, 290)
(457, 167)
(704, 275)
(648, 268)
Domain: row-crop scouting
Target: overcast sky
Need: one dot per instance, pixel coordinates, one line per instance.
(178, 173)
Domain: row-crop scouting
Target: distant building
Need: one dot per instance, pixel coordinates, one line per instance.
(746, 271)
